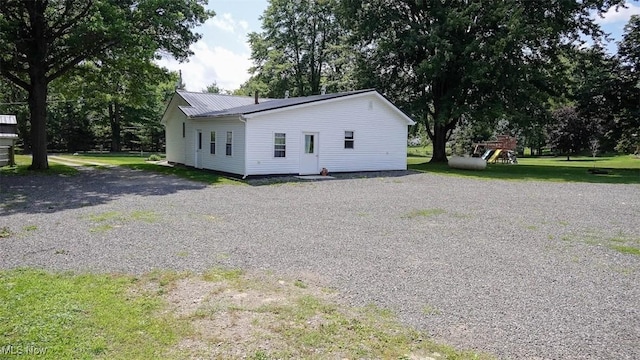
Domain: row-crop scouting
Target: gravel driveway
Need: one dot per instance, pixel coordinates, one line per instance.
(521, 270)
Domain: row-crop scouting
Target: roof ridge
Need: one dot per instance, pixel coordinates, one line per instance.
(209, 94)
(281, 103)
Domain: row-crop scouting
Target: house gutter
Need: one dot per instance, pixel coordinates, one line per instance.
(244, 120)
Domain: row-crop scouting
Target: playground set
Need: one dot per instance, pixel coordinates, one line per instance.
(502, 149)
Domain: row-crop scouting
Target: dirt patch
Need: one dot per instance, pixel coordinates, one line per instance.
(234, 315)
(237, 316)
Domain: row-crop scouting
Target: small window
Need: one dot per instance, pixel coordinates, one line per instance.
(280, 145)
(199, 140)
(184, 130)
(212, 147)
(348, 139)
(229, 142)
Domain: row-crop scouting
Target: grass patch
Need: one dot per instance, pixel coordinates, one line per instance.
(621, 242)
(108, 220)
(423, 213)
(222, 314)
(419, 151)
(5, 232)
(105, 216)
(24, 161)
(626, 249)
(430, 310)
(192, 174)
(623, 169)
(102, 228)
(137, 162)
(218, 274)
(283, 320)
(300, 284)
(30, 228)
(143, 215)
(82, 316)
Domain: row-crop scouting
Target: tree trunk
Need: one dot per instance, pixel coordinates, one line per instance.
(439, 144)
(38, 110)
(114, 120)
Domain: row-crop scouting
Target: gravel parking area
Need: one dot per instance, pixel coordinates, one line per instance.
(521, 270)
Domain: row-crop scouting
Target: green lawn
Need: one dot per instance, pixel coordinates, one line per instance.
(135, 161)
(623, 169)
(105, 316)
(23, 162)
(66, 316)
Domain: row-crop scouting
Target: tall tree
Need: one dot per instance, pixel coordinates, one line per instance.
(570, 132)
(40, 40)
(298, 48)
(594, 89)
(444, 60)
(116, 87)
(629, 95)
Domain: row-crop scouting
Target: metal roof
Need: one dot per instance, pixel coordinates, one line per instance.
(8, 119)
(201, 103)
(276, 104)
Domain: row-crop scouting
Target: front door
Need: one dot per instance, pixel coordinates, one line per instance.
(309, 156)
(198, 150)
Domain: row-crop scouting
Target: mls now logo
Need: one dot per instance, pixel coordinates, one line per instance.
(22, 350)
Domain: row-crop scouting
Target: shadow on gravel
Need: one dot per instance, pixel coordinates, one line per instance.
(287, 179)
(49, 194)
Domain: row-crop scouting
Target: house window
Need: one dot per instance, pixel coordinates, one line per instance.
(184, 130)
(199, 140)
(280, 145)
(212, 148)
(229, 142)
(348, 139)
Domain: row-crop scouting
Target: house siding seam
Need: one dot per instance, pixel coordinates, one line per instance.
(380, 137)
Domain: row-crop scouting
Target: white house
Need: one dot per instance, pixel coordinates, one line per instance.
(342, 132)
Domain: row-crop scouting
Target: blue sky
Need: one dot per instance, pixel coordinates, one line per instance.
(222, 55)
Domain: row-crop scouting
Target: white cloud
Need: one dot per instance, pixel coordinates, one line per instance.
(621, 16)
(227, 23)
(209, 64)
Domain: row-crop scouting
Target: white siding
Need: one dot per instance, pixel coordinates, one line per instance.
(380, 136)
(220, 161)
(175, 143)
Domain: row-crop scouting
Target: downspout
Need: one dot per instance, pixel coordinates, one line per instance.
(244, 120)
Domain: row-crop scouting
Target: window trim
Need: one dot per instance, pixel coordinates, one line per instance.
(212, 142)
(275, 145)
(229, 144)
(351, 140)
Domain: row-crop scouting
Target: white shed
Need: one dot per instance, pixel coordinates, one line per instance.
(8, 137)
(342, 132)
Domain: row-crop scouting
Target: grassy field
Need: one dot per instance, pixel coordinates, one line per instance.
(23, 162)
(221, 314)
(622, 169)
(135, 161)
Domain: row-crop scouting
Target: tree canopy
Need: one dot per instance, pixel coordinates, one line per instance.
(301, 48)
(41, 40)
(445, 60)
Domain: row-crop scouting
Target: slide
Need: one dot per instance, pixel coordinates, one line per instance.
(495, 155)
(486, 154)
